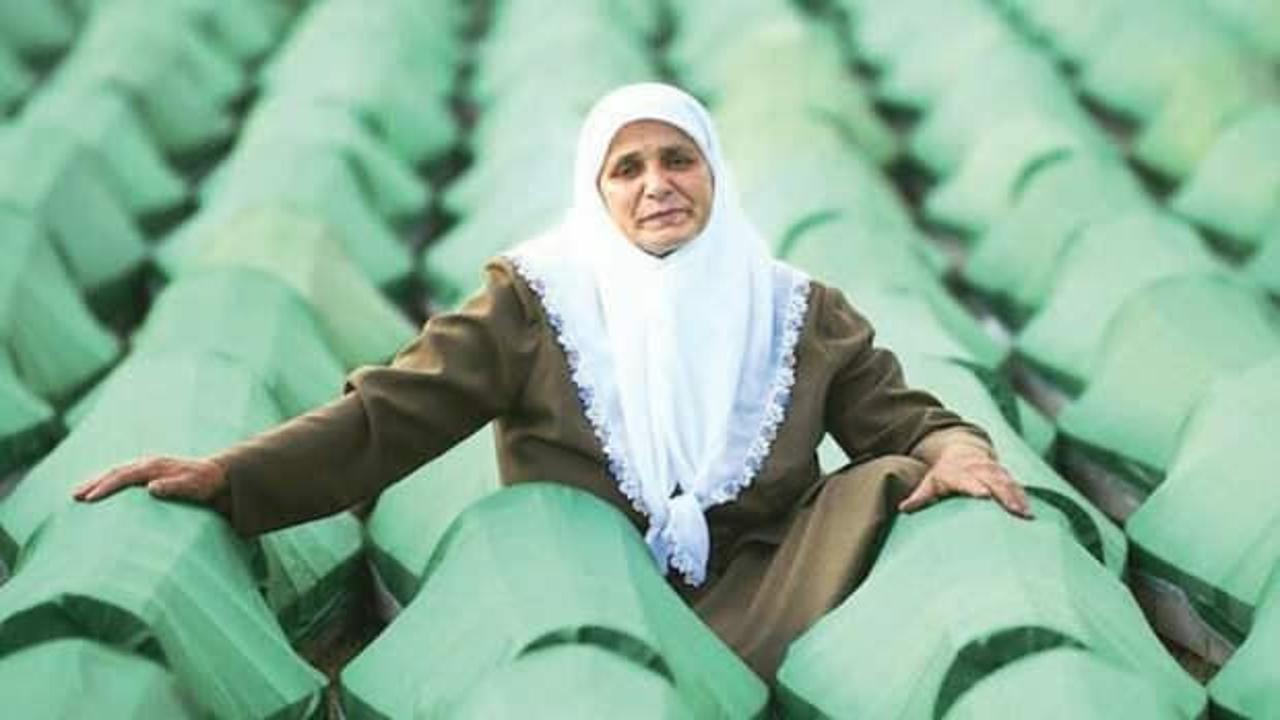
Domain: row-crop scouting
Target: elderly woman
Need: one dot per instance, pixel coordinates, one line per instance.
(648, 351)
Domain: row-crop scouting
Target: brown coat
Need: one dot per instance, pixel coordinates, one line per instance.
(789, 548)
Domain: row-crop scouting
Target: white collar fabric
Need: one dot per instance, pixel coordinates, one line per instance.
(683, 364)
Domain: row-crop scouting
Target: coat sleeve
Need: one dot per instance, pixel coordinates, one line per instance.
(464, 369)
(869, 409)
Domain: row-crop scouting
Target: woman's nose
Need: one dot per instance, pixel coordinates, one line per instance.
(657, 185)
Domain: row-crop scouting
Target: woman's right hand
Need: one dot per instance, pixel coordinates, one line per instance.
(191, 479)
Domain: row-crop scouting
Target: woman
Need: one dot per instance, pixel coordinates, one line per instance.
(649, 351)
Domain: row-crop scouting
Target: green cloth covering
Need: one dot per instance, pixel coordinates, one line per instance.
(170, 582)
(56, 346)
(784, 67)
(862, 261)
(210, 401)
(453, 266)
(36, 27)
(703, 28)
(1213, 525)
(570, 682)
(1097, 270)
(15, 79)
(1160, 351)
(390, 186)
(959, 591)
(1235, 191)
(279, 340)
(986, 399)
(881, 29)
(1127, 65)
(1198, 107)
(313, 572)
(1036, 428)
(359, 325)
(1255, 21)
(390, 63)
(1263, 269)
(28, 426)
(1247, 687)
(108, 125)
(516, 176)
(181, 81)
(1064, 683)
(312, 180)
(1067, 26)
(93, 680)
(1006, 81)
(1017, 259)
(984, 188)
(938, 51)
(63, 190)
(411, 517)
(508, 578)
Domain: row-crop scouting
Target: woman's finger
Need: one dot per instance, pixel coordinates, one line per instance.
(117, 478)
(1009, 495)
(926, 493)
(183, 485)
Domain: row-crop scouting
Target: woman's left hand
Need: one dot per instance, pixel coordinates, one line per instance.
(963, 469)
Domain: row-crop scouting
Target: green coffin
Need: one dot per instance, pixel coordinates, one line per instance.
(28, 426)
(961, 590)
(15, 79)
(36, 27)
(530, 567)
(1246, 688)
(1159, 353)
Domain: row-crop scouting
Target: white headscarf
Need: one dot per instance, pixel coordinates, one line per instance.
(684, 363)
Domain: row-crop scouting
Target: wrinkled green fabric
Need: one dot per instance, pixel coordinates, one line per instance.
(316, 181)
(1263, 269)
(279, 340)
(1257, 22)
(998, 590)
(570, 682)
(56, 346)
(1159, 353)
(412, 516)
(108, 124)
(1018, 257)
(172, 584)
(1097, 270)
(313, 575)
(1064, 684)
(359, 324)
(1219, 483)
(1246, 687)
(984, 188)
(36, 26)
(1067, 26)
(1235, 191)
(508, 577)
(453, 266)
(15, 79)
(28, 426)
(94, 680)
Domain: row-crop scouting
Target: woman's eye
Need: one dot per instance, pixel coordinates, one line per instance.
(626, 168)
(679, 161)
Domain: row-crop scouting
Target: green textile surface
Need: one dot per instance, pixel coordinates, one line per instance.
(36, 26)
(108, 124)
(210, 402)
(509, 577)
(391, 63)
(1037, 429)
(1263, 269)
(1127, 66)
(1248, 687)
(1214, 523)
(64, 191)
(865, 263)
(1160, 351)
(165, 580)
(996, 590)
(279, 341)
(411, 517)
(453, 267)
(1018, 257)
(1256, 21)
(390, 185)
(181, 81)
(1067, 26)
(313, 180)
(359, 324)
(15, 79)
(1064, 683)
(1099, 268)
(570, 682)
(1236, 189)
(1007, 81)
(985, 187)
(1198, 107)
(511, 172)
(989, 404)
(93, 680)
(56, 346)
(313, 572)
(28, 426)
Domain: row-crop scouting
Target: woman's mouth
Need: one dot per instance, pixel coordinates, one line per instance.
(665, 217)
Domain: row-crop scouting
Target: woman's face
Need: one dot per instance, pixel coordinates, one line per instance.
(656, 185)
